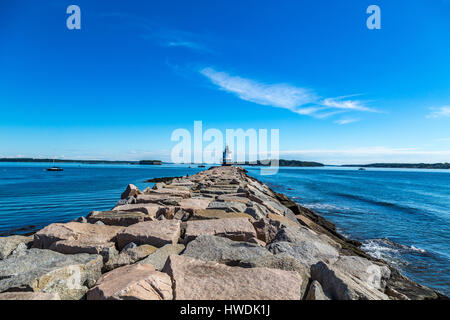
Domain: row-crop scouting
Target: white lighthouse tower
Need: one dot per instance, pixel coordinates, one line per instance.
(226, 158)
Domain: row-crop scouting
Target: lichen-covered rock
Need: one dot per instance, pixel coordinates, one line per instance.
(205, 280)
(133, 282)
(9, 244)
(155, 233)
(70, 276)
(239, 229)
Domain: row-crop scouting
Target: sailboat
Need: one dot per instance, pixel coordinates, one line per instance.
(53, 168)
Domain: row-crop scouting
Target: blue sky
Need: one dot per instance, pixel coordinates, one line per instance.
(137, 70)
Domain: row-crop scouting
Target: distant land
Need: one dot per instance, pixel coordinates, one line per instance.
(287, 163)
(142, 162)
(282, 163)
(402, 165)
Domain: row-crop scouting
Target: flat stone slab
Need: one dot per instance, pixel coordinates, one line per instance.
(9, 244)
(150, 209)
(194, 203)
(29, 296)
(206, 280)
(203, 214)
(82, 232)
(84, 246)
(178, 192)
(155, 233)
(118, 218)
(51, 272)
(133, 282)
(155, 198)
(230, 206)
(239, 229)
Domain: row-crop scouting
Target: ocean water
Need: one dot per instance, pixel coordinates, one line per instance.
(402, 216)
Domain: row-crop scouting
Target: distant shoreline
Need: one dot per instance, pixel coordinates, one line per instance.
(282, 163)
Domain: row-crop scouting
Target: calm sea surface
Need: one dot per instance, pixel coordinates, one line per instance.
(402, 216)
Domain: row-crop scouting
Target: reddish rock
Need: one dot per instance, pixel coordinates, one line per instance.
(155, 233)
(206, 280)
(131, 191)
(80, 232)
(238, 229)
(133, 282)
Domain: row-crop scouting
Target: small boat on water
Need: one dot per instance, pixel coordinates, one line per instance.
(54, 169)
(201, 166)
(361, 169)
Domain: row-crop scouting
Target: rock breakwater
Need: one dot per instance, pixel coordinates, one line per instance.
(219, 234)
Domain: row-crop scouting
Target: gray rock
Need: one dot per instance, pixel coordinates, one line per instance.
(256, 211)
(159, 185)
(315, 292)
(223, 250)
(80, 219)
(128, 200)
(267, 229)
(342, 286)
(159, 258)
(9, 244)
(70, 276)
(129, 256)
(21, 248)
(373, 275)
(131, 245)
(302, 234)
(306, 252)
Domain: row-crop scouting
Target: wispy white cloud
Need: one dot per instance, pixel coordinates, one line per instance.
(439, 112)
(277, 95)
(339, 103)
(300, 100)
(345, 121)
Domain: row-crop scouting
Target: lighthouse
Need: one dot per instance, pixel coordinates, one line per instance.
(226, 158)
